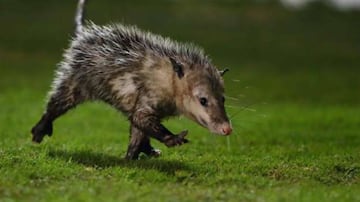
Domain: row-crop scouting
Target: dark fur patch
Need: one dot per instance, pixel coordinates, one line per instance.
(178, 68)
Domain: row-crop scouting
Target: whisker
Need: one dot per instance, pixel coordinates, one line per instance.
(250, 109)
(231, 106)
(236, 133)
(228, 143)
(242, 109)
(231, 98)
(245, 121)
(235, 124)
(247, 87)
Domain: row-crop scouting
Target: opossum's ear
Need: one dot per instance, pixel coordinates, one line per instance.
(178, 68)
(222, 72)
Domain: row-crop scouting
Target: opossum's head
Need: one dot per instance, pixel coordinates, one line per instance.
(202, 95)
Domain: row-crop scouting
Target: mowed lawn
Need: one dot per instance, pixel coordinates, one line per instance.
(293, 95)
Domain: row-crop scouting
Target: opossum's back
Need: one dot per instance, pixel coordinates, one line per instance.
(123, 45)
(106, 47)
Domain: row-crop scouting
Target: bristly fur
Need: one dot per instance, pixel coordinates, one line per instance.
(145, 76)
(130, 43)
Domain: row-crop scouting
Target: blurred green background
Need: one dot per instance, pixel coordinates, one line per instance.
(310, 55)
(293, 96)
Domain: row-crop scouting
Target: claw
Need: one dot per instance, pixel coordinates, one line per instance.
(155, 153)
(176, 140)
(183, 133)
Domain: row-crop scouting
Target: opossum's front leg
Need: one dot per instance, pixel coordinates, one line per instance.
(175, 140)
(150, 125)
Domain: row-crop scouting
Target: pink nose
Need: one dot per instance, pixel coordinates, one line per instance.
(226, 130)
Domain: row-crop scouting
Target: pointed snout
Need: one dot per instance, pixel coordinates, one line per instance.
(226, 129)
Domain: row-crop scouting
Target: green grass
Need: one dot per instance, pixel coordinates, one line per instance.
(293, 96)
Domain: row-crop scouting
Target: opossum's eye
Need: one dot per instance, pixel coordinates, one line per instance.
(203, 101)
(223, 99)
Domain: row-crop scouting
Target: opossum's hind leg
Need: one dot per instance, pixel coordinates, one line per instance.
(42, 128)
(61, 100)
(146, 148)
(139, 142)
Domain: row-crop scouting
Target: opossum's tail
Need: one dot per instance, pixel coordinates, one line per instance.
(79, 16)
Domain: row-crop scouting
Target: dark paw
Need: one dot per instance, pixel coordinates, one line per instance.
(154, 153)
(176, 140)
(37, 138)
(40, 130)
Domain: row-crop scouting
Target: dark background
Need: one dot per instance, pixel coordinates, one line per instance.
(307, 56)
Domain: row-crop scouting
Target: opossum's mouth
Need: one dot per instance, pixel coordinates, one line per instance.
(203, 122)
(198, 120)
(219, 129)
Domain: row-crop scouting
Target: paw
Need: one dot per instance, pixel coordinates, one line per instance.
(176, 140)
(155, 153)
(40, 130)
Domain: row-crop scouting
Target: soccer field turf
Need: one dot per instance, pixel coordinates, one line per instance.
(293, 95)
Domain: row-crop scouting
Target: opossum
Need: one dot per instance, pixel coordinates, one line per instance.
(145, 76)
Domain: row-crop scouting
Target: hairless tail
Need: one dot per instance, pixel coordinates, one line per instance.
(79, 16)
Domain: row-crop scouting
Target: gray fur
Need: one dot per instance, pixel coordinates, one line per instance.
(79, 16)
(134, 71)
(100, 54)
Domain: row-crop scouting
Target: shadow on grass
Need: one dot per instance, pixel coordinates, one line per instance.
(101, 160)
